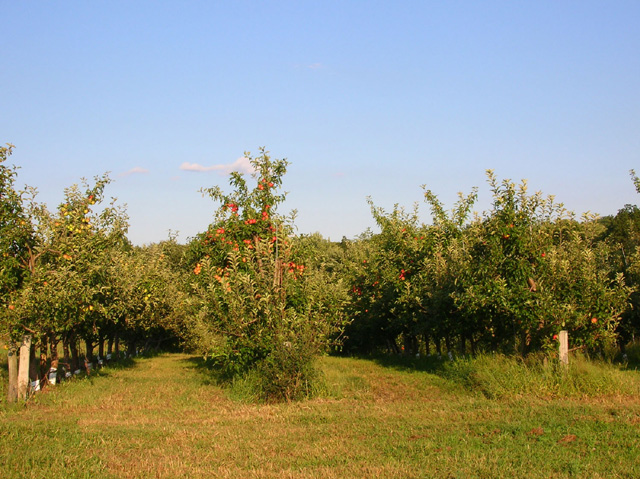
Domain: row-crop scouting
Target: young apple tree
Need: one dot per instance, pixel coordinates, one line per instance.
(261, 311)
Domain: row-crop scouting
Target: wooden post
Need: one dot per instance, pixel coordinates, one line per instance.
(564, 347)
(23, 367)
(12, 363)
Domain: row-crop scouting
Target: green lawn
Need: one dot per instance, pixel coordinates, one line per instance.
(161, 417)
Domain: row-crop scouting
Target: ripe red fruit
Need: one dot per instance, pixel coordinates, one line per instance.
(555, 337)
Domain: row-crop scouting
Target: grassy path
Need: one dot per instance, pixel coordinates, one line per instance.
(160, 418)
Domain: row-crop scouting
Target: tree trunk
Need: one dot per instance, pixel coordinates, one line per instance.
(427, 348)
(65, 352)
(44, 358)
(44, 365)
(34, 365)
(89, 349)
(463, 345)
(116, 345)
(110, 345)
(410, 344)
(12, 363)
(160, 341)
(447, 342)
(438, 344)
(75, 362)
(53, 346)
(101, 346)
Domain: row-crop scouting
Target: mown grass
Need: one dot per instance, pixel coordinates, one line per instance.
(161, 417)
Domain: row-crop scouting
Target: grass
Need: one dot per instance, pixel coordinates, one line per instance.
(497, 376)
(162, 417)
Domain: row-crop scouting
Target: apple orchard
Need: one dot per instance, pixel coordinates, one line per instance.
(261, 302)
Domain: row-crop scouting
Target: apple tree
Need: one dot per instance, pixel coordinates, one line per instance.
(16, 234)
(262, 314)
(535, 270)
(63, 295)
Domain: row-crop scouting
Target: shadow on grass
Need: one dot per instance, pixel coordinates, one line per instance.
(104, 371)
(407, 363)
(211, 376)
(117, 365)
(631, 366)
(439, 365)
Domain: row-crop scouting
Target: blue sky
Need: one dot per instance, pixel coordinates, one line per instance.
(363, 98)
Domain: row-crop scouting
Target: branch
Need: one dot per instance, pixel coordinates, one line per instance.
(576, 348)
(30, 263)
(28, 329)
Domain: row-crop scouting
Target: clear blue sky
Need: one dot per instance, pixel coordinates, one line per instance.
(363, 98)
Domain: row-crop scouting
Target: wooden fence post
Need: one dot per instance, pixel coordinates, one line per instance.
(12, 363)
(23, 367)
(564, 347)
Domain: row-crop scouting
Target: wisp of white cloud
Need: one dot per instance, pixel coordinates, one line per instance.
(133, 171)
(315, 66)
(241, 165)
